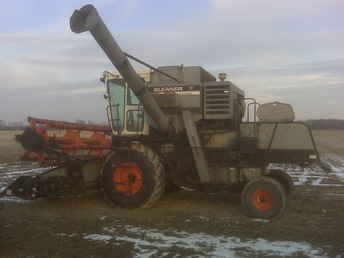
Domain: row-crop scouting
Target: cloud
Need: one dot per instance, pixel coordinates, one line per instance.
(271, 49)
(62, 105)
(314, 89)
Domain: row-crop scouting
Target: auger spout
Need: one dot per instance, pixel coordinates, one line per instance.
(88, 19)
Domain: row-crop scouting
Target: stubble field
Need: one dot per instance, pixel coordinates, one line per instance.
(10, 150)
(330, 141)
(183, 224)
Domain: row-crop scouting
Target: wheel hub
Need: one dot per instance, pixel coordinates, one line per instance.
(127, 178)
(262, 200)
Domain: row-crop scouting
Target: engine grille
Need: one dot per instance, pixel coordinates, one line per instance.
(217, 102)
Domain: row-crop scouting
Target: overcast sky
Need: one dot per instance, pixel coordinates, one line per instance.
(290, 51)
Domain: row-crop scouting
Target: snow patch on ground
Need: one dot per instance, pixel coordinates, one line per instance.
(174, 243)
(11, 171)
(67, 235)
(148, 242)
(336, 164)
(315, 175)
(14, 199)
(98, 237)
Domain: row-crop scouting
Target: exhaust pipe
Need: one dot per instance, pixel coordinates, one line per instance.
(88, 19)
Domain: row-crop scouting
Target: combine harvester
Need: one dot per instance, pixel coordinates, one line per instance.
(181, 127)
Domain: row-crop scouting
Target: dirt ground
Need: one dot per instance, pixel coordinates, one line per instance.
(183, 223)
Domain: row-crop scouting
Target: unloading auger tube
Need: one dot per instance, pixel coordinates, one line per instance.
(88, 19)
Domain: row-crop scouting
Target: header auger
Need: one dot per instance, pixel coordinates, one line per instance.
(179, 125)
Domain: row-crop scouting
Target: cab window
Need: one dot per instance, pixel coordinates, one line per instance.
(135, 120)
(132, 99)
(116, 93)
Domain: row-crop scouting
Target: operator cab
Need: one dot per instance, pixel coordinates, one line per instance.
(124, 111)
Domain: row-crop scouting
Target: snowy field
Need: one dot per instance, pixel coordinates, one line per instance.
(154, 242)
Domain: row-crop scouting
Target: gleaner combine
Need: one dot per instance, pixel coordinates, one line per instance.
(179, 127)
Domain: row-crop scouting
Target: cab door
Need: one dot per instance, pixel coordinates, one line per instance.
(125, 113)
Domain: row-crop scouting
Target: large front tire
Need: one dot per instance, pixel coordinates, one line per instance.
(264, 198)
(134, 178)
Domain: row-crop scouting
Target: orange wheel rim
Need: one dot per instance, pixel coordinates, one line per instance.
(127, 178)
(262, 200)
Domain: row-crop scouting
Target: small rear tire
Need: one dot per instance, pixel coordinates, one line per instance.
(285, 179)
(263, 198)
